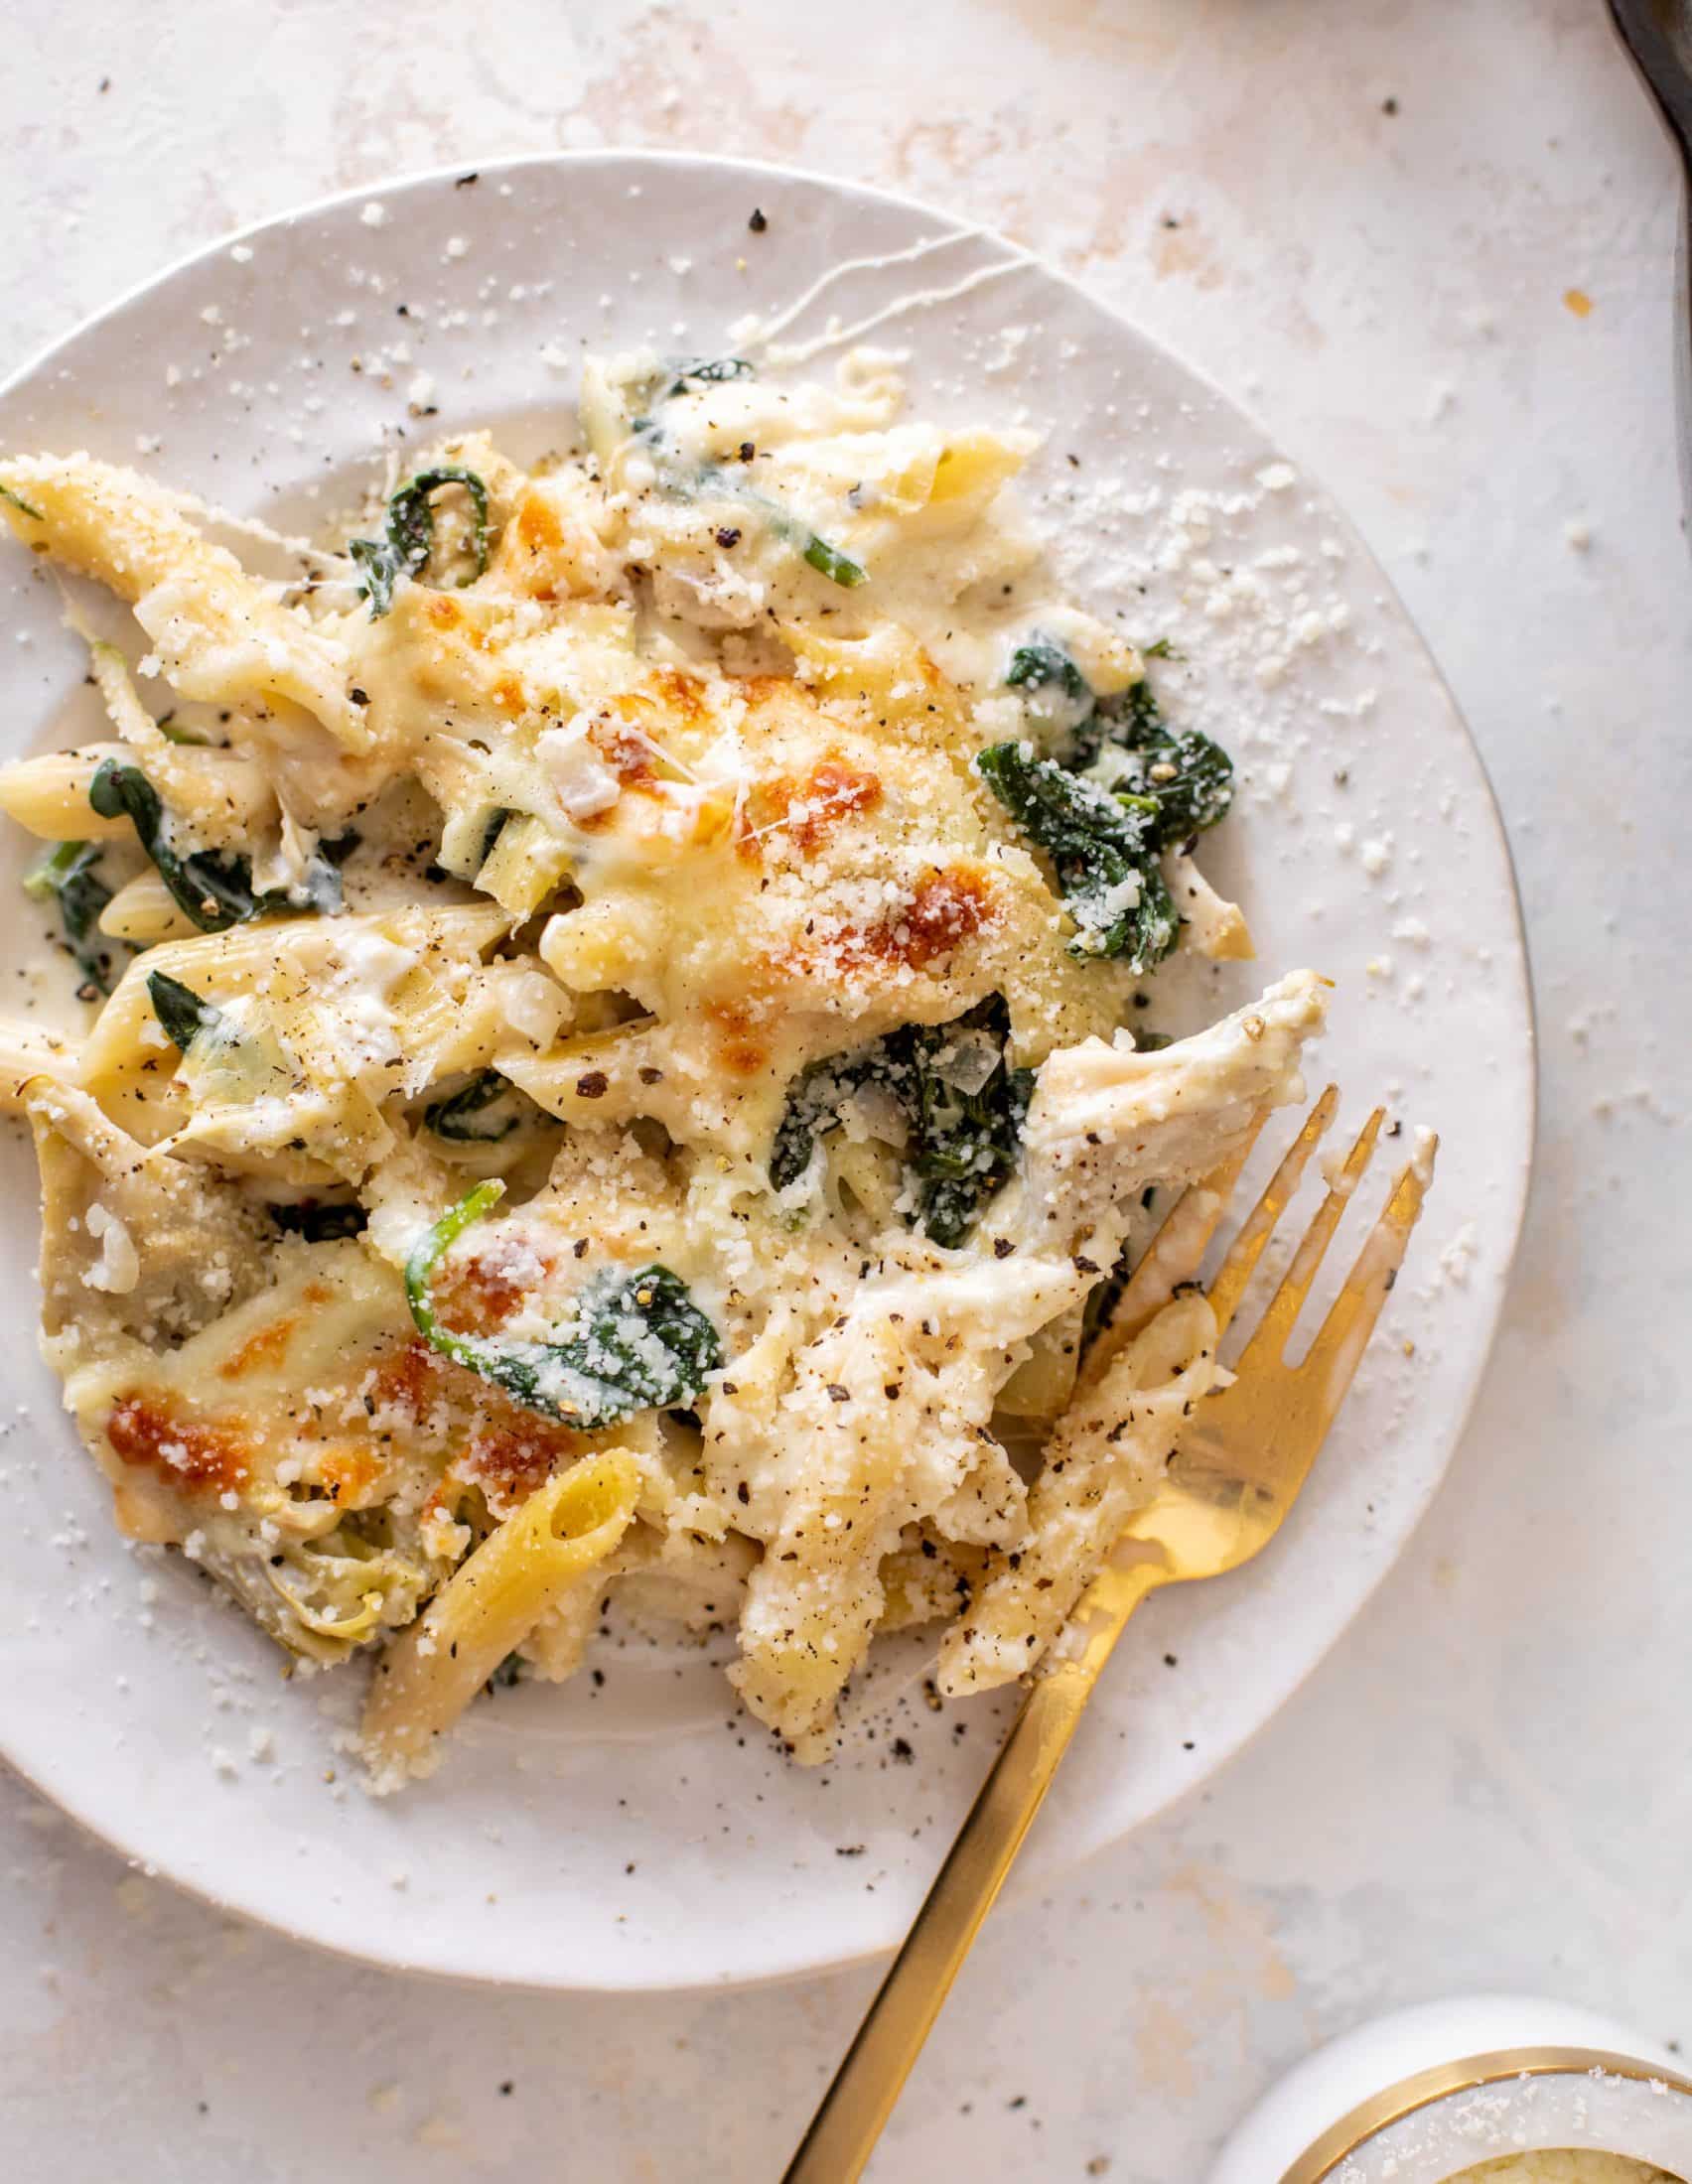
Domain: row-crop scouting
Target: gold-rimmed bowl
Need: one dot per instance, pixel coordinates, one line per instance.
(1427, 2095)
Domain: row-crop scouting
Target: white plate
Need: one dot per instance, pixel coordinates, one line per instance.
(637, 1832)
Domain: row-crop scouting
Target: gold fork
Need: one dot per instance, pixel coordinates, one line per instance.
(1244, 1458)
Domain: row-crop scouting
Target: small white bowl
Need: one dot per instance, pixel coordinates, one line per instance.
(1420, 2097)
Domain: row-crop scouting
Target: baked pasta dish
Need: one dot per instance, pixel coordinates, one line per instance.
(609, 1060)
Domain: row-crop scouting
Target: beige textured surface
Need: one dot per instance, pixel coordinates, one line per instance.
(1485, 1786)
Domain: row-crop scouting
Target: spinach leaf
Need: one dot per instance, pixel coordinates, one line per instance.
(462, 1117)
(1126, 742)
(688, 481)
(822, 1089)
(1120, 786)
(1101, 725)
(70, 876)
(1039, 662)
(216, 892)
(1104, 848)
(213, 888)
(639, 1342)
(962, 1102)
(1187, 776)
(321, 884)
(183, 1015)
(410, 534)
(320, 1221)
(411, 515)
(968, 1128)
(18, 501)
(382, 571)
(708, 371)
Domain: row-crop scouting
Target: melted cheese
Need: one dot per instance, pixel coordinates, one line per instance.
(670, 801)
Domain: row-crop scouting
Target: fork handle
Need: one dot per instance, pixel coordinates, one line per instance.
(845, 2129)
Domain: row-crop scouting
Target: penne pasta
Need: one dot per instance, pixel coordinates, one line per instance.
(1105, 1458)
(426, 1679)
(145, 911)
(29, 1052)
(526, 864)
(1042, 1383)
(215, 630)
(49, 795)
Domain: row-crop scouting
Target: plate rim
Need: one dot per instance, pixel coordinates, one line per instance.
(1510, 1224)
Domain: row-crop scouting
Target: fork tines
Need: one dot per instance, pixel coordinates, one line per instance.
(1351, 1320)
(1175, 1254)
